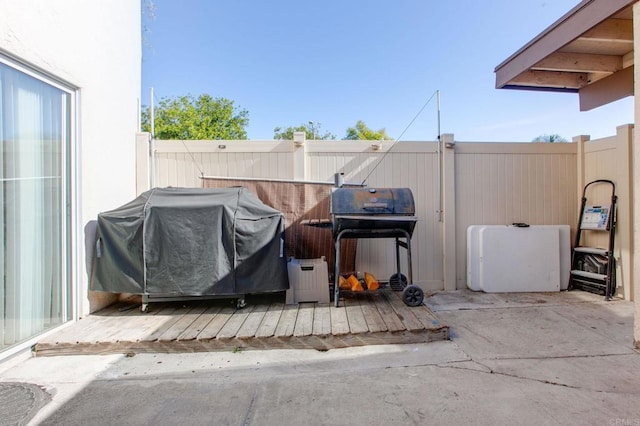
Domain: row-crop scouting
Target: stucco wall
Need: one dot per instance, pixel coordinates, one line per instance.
(96, 47)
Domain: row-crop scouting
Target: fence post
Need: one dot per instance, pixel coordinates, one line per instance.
(580, 140)
(143, 156)
(299, 155)
(449, 217)
(624, 190)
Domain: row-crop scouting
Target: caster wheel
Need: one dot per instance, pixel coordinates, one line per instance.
(144, 308)
(396, 283)
(412, 295)
(241, 303)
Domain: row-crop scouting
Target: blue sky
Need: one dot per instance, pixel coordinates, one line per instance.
(338, 61)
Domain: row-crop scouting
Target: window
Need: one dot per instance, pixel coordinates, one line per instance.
(35, 138)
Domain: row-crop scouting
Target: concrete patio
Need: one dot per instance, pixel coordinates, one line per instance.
(530, 358)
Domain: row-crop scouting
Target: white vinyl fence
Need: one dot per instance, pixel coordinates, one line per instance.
(455, 184)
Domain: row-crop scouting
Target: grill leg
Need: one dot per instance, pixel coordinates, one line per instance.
(398, 271)
(409, 264)
(407, 246)
(336, 276)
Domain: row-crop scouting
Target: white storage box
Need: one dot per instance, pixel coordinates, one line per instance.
(308, 281)
(513, 259)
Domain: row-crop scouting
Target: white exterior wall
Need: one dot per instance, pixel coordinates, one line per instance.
(94, 46)
(636, 181)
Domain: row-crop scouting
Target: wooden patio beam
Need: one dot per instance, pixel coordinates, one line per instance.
(609, 89)
(551, 79)
(611, 30)
(579, 62)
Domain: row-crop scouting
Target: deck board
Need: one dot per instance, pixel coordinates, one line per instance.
(192, 331)
(355, 317)
(165, 320)
(372, 316)
(231, 328)
(110, 330)
(304, 321)
(339, 321)
(209, 325)
(287, 321)
(270, 321)
(321, 320)
(388, 315)
(253, 321)
(404, 312)
(216, 324)
(182, 324)
(137, 327)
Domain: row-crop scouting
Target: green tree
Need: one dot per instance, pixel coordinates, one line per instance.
(204, 117)
(549, 138)
(363, 133)
(313, 132)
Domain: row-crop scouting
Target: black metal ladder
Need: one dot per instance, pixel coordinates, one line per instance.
(593, 268)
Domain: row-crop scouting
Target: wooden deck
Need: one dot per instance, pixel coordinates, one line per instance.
(265, 323)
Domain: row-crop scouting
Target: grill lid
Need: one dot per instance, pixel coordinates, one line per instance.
(371, 212)
(372, 201)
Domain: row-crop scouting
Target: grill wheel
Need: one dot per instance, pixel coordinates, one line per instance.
(413, 295)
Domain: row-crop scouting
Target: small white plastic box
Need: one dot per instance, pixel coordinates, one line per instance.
(308, 281)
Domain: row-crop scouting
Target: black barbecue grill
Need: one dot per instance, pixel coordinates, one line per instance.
(376, 213)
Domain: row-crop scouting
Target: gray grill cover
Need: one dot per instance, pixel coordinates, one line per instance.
(191, 242)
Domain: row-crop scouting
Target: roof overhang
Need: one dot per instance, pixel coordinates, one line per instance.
(588, 51)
